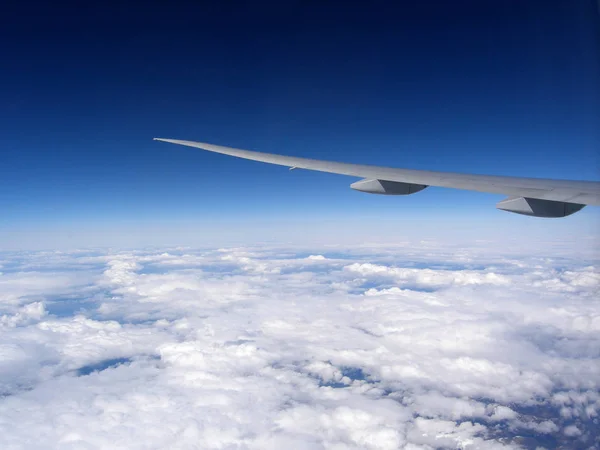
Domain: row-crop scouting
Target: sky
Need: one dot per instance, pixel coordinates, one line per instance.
(509, 88)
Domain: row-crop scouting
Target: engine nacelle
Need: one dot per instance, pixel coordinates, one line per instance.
(537, 207)
(385, 187)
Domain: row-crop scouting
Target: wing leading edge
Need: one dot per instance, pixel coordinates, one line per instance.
(540, 197)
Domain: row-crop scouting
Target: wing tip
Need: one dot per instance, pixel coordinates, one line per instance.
(201, 145)
(172, 141)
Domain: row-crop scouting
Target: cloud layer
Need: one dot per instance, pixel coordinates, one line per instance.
(378, 348)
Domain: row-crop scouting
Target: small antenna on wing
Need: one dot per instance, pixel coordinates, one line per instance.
(292, 168)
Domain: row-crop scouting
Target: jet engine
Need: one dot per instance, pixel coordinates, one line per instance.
(373, 186)
(537, 207)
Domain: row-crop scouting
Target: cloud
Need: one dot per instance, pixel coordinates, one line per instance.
(427, 277)
(376, 348)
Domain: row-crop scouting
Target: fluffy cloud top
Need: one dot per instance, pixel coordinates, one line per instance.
(408, 347)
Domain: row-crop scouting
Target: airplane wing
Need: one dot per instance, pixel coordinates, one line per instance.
(529, 196)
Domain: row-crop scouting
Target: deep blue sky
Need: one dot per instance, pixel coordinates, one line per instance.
(496, 87)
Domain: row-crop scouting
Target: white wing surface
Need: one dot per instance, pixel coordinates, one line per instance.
(530, 196)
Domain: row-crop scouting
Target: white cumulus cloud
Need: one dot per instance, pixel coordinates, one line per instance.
(369, 348)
